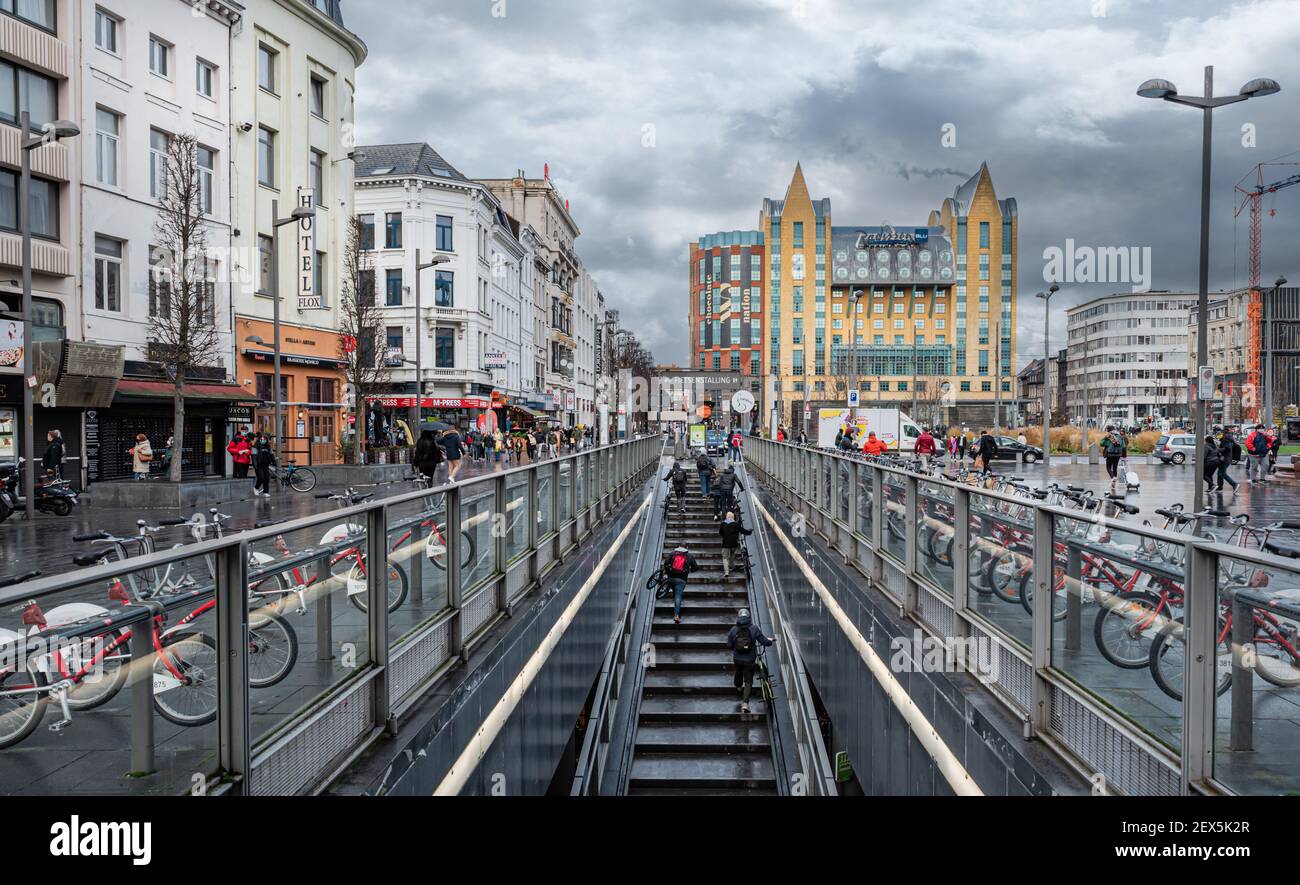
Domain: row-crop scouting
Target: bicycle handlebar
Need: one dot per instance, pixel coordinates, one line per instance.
(174, 521)
(92, 536)
(9, 582)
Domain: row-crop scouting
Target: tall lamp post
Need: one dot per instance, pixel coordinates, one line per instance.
(51, 132)
(1269, 308)
(1166, 91)
(853, 333)
(1047, 393)
(298, 214)
(417, 409)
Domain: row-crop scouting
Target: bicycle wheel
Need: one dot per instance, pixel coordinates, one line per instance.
(272, 649)
(1169, 656)
(398, 583)
(106, 678)
(1006, 575)
(1276, 665)
(436, 549)
(1125, 629)
(939, 548)
(302, 480)
(654, 580)
(1060, 600)
(22, 704)
(185, 680)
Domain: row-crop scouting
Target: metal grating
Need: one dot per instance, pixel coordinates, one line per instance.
(478, 611)
(1014, 675)
(937, 613)
(415, 660)
(316, 746)
(895, 584)
(1128, 767)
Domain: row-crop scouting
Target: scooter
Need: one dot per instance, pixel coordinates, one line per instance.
(56, 496)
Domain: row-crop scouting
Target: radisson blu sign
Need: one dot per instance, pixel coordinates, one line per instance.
(889, 236)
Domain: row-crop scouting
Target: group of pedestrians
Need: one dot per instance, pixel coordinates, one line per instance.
(253, 451)
(1220, 454)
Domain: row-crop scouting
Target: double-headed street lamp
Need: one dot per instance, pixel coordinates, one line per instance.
(1165, 90)
(853, 331)
(48, 134)
(1269, 308)
(1047, 394)
(417, 410)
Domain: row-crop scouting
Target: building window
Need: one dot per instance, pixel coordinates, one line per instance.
(108, 126)
(108, 274)
(965, 387)
(158, 141)
(717, 361)
(106, 30)
(160, 55)
(446, 237)
(207, 162)
(394, 338)
(318, 96)
(265, 156)
(393, 288)
(798, 234)
(266, 64)
(367, 232)
(393, 230)
(444, 289)
(366, 287)
(319, 271)
(264, 254)
(984, 241)
(205, 76)
(24, 90)
(44, 205)
(316, 164)
(986, 386)
(735, 361)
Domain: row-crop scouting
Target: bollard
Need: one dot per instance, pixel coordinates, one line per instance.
(1073, 598)
(1243, 677)
(142, 737)
(324, 613)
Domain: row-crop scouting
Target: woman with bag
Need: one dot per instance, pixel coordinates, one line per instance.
(141, 454)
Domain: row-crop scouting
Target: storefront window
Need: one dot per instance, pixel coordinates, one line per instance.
(445, 349)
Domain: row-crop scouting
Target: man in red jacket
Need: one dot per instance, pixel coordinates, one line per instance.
(874, 446)
(925, 448)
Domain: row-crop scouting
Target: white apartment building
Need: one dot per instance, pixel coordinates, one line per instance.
(1133, 348)
(474, 333)
(293, 77)
(149, 72)
(588, 314)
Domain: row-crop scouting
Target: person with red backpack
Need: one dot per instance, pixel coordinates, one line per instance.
(677, 568)
(1258, 446)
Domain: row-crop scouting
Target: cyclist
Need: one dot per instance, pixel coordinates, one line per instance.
(730, 530)
(676, 476)
(744, 640)
(677, 568)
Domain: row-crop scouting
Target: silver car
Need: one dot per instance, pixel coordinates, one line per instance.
(1176, 448)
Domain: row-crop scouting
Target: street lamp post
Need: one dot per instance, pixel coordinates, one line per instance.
(51, 132)
(1269, 382)
(1047, 393)
(417, 409)
(1165, 90)
(853, 338)
(298, 214)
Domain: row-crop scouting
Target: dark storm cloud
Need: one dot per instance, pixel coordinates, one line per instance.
(737, 91)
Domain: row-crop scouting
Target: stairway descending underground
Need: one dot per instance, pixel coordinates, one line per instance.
(691, 737)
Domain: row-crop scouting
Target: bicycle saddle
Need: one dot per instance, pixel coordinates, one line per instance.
(85, 561)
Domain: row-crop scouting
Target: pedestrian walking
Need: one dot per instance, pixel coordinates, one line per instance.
(925, 448)
(704, 465)
(731, 531)
(1258, 446)
(677, 569)
(728, 484)
(1114, 448)
(427, 454)
(241, 455)
(1228, 447)
(167, 457)
(736, 444)
(263, 461)
(744, 640)
(676, 477)
(453, 449)
(141, 455)
(985, 451)
(52, 462)
(1273, 448)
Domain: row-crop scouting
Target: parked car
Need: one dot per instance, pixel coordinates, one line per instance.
(1008, 448)
(1176, 449)
(716, 442)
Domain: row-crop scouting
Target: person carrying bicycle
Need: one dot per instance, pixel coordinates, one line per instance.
(730, 530)
(677, 568)
(728, 483)
(744, 640)
(676, 476)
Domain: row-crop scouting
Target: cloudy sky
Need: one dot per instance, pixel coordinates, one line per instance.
(663, 120)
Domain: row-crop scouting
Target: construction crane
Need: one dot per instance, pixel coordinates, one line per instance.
(1254, 198)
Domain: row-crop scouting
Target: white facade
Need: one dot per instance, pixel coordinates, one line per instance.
(148, 71)
(476, 309)
(585, 318)
(1134, 347)
(293, 73)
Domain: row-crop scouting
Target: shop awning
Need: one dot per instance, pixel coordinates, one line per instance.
(163, 390)
(532, 413)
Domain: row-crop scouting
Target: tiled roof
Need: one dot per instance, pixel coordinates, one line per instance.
(404, 159)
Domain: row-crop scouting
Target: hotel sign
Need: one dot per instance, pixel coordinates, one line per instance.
(308, 297)
(889, 236)
(744, 306)
(708, 284)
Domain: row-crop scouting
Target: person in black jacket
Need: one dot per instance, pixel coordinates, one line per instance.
(1210, 461)
(730, 530)
(1229, 452)
(985, 451)
(676, 476)
(728, 484)
(263, 461)
(704, 464)
(677, 568)
(744, 640)
(52, 462)
(427, 454)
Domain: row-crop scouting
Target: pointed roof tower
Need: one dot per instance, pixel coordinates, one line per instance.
(797, 194)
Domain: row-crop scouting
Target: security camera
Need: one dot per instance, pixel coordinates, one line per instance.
(245, 127)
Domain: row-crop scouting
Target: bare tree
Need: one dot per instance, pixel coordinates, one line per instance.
(183, 333)
(361, 331)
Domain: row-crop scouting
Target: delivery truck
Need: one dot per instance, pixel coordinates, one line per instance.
(892, 426)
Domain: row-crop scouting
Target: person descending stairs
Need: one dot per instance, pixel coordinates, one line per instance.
(693, 736)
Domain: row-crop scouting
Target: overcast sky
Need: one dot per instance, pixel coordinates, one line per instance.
(860, 92)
